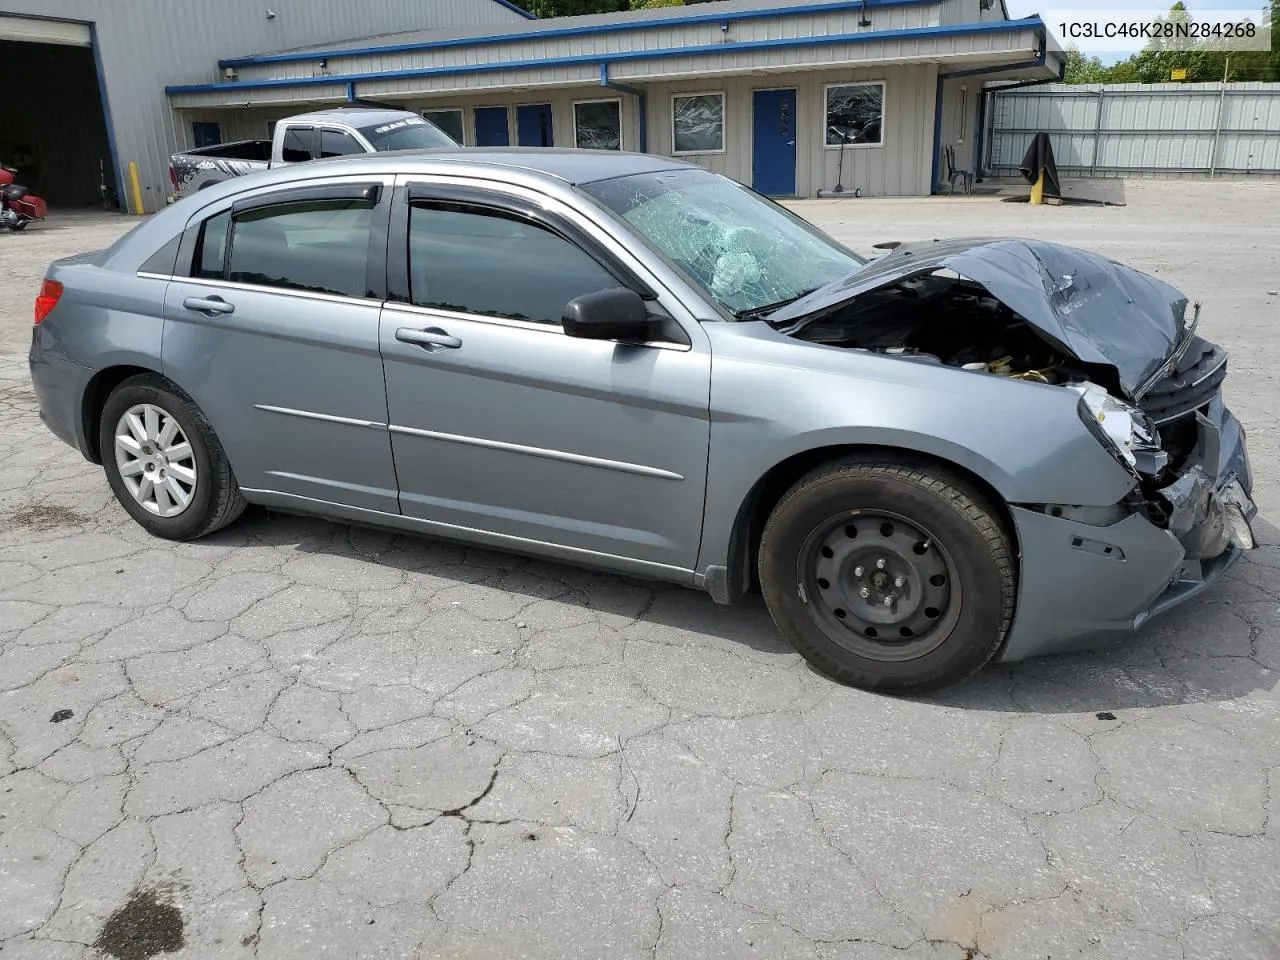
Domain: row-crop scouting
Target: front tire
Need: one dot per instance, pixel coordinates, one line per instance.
(164, 462)
(888, 575)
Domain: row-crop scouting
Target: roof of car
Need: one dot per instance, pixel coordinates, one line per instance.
(352, 116)
(568, 165)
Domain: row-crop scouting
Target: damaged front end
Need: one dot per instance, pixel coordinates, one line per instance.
(1150, 389)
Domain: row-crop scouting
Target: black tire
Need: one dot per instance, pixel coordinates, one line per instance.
(962, 537)
(215, 498)
(19, 225)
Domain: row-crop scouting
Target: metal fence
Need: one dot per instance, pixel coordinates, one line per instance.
(1131, 129)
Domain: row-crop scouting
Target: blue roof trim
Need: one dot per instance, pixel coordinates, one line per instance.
(869, 36)
(520, 10)
(622, 26)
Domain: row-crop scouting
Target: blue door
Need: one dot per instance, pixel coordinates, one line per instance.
(491, 127)
(773, 142)
(533, 125)
(206, 134)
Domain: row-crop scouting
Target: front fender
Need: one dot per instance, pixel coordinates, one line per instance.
(774, 398)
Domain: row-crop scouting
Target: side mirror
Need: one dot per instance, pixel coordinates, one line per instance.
(613, 314)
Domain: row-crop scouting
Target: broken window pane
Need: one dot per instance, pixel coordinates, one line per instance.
(855, 114)
(597, 125)
(698, 123)
(746, 252)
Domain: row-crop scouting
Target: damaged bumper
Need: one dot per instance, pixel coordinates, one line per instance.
(1082, 585)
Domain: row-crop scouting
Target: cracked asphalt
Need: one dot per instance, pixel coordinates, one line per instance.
(317, 741)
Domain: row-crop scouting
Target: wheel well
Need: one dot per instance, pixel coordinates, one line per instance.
(748, 528)
(95, 398)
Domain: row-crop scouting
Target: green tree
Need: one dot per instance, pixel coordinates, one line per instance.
(1082, 69)
(1207, 63)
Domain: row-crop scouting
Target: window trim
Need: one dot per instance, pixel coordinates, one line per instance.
(462, 119)
(621, 122)
(724, 124)
(884, 102)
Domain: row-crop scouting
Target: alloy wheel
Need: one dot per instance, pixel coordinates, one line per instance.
(155, 460)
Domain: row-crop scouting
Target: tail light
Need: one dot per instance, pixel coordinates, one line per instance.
(47, 299)
(173, 178)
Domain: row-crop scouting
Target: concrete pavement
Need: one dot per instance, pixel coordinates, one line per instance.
(296, 739)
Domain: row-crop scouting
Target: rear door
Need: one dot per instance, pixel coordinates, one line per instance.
(502, 423)
(272, 327)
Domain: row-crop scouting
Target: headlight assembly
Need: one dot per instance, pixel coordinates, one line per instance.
(1127, 433)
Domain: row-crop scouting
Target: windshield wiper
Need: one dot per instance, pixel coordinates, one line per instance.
(761, 313)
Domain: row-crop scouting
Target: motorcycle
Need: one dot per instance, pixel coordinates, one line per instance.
(18, 206)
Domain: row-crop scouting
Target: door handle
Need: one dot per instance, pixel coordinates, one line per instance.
(430, 338)
(209, 305)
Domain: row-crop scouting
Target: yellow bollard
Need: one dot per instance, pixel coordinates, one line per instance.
(136, 186)
(1037, 190)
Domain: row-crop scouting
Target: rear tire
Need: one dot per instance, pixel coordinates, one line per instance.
(164, 462)
(888, 575)
(19, 226)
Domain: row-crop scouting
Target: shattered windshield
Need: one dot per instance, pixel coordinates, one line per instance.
(748, 253)
(411, 133)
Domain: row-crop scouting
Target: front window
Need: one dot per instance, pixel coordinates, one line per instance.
(335, 143)
(486, 262)
(410, 133)
(746, 252)
(597, 125)
(855, 115)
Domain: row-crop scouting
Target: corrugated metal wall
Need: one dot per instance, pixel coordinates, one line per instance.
(1169, 129)
(145, 44)
(902, 166)
(585, 42)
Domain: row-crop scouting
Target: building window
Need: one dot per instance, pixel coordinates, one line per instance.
(697, 123)
(597, 124)
(450, 121)
(855, 115)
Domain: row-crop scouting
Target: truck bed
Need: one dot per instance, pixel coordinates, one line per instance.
(240, 150)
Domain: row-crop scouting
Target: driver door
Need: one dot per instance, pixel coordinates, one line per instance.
(502, 423)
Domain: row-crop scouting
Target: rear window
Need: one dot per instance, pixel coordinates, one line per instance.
(409, 133)
(320, 246)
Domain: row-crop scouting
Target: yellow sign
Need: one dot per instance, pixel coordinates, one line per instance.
(1179, 74)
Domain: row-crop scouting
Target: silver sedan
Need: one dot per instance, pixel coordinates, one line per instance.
(952, 453)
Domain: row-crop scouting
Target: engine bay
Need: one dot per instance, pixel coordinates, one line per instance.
(948, 320)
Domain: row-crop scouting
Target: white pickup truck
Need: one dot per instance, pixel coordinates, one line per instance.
(308, 136)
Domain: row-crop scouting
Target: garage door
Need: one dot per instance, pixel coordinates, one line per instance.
(44, 31)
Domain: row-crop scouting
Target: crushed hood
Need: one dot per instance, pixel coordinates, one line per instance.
(1093, 308)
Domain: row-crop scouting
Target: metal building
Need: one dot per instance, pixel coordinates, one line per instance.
(84, 80)
(794, 97)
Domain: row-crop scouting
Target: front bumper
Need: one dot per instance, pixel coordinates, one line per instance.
(1084, 585)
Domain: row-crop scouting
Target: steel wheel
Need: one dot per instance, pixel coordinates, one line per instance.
(155, 460)
(880, 586)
